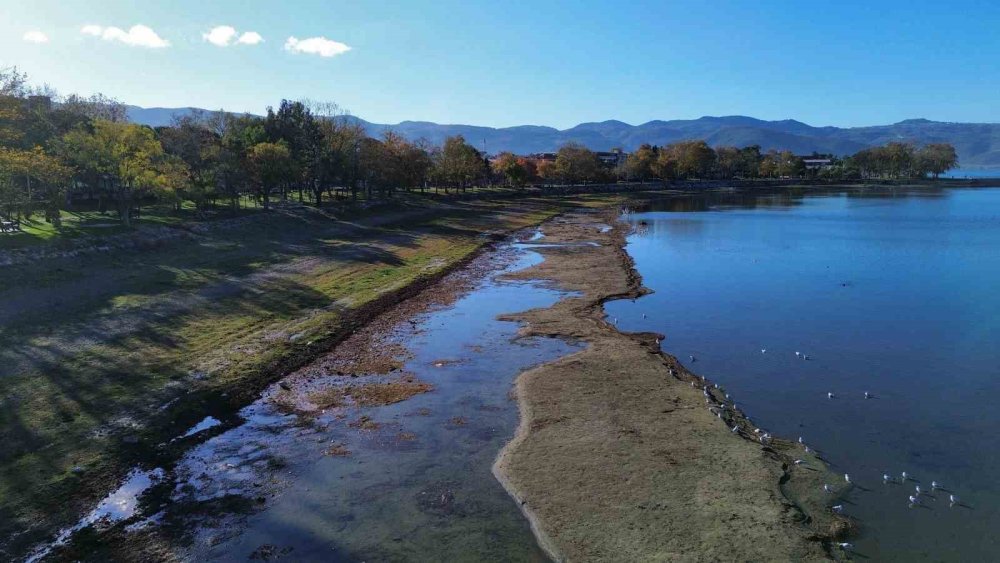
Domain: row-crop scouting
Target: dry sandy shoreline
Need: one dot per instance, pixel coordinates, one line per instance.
(618, 455)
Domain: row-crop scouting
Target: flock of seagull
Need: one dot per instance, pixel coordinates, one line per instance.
(719, 407)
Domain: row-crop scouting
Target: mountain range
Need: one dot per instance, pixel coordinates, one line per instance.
(977, 144)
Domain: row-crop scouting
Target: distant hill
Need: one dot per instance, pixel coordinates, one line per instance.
(978, 144)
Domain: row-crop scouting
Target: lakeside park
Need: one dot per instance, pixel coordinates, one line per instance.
(292, 334)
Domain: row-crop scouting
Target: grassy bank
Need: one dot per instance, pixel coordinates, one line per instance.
(108, 355)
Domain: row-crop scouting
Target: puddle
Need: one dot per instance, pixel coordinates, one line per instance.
(117, 506)
(205, 424)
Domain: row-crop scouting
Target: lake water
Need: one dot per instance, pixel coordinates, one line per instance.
(894, 293)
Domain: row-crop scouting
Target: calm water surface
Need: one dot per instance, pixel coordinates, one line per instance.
(895, 293)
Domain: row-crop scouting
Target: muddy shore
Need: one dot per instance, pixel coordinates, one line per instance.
(624, 454)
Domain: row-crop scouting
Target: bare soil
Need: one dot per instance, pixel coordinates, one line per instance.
(618, 456)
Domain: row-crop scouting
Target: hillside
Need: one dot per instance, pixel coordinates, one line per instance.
(978, 144)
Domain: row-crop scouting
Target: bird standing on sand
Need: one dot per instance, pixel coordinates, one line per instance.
(845, 545)
(807, 449)
(827, 488)
(837, 508)
(736, 428)
(799, 461)
(800, 440)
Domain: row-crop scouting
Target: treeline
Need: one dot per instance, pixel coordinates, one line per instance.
(51, 152)
(55, 149)
(696, 160)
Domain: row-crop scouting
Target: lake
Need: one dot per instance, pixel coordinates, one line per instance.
(890, 292)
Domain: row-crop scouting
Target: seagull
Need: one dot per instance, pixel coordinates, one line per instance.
(798, 353)
(736, 428)
(716, 385)
(953, 499)
(886, 478)
(692, 358)
(727, 396)
(935, 485)
(799, 461)
(918, 490)
(800, 440)
(905, 476)
(805, 356)
(829, 395)
(827, 488)
(837, 508)
(845, 545)
(868, 395)
(763, 350)
(914, 500)
(644, 315)
(616, 320)
(847, 478)
(658, 341)
(807, 449)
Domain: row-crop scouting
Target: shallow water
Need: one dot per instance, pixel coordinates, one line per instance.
(418, 488)
(894, 293)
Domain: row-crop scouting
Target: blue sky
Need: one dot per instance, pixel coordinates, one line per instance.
(548, 63)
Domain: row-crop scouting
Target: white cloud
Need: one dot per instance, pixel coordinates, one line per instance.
(220, 35)
(224, 36)
(137, 35)
(36, 37)
(316, 46)
(250, 38)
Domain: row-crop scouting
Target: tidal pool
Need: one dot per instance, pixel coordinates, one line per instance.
(893, 292)
(416, 484)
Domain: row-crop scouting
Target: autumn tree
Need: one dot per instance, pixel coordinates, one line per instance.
(270, 165)
(641, 163)
(511, 168)
(576, 163)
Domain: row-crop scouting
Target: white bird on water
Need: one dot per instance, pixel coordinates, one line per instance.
(692, 357)
(914, 500)
(644, 315)
(953, 499)
(886, 478)
(798, 353)
(763, 350)
(829, 395)
(847, 478)
(868, 395)
(935, 485)
(917, 488)
(837, 508)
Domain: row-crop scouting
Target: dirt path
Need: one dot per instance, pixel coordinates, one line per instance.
(619, 457)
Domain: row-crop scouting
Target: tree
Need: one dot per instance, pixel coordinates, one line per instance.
(190, 140)
(576, 163)
(694, 159)
(936, 159)
(511, 168)
(125, 158)
(641, 163)
(458, 163)
(270, 164)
